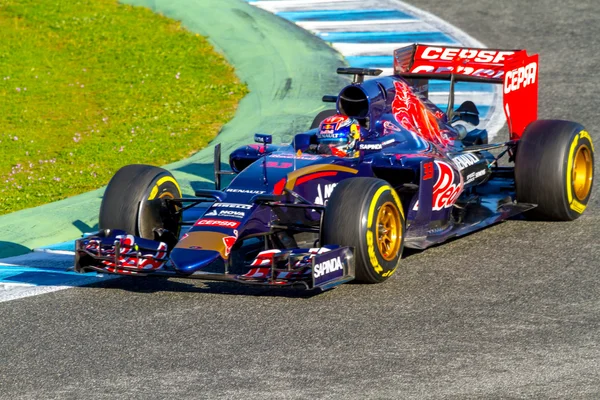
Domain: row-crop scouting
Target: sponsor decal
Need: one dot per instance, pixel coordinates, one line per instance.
(335, 122)
(445, 191)
(330, 134)
(277, 164)
(482, 63)
(456, 54)
(465, 160)
(327, 267)
(212, 213)
(522, 76)
(233, 205)
(371, 250)
(232, 213)
(474, 175)
(221, 223)
(324, 193)
(229, 241)
(247, 191)
(370, 146)
(387, 142)
(288, 156)
(427, 170)
(480, 72)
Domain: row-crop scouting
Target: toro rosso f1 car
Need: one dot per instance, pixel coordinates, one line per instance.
(311, 216)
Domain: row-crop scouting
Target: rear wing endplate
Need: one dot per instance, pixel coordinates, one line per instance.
(517, 71)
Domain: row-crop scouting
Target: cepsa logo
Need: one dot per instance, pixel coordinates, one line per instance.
(522, 76)
(492, 59)
(476, 55)
(221, 223)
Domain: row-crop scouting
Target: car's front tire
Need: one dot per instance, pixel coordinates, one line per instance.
(132, 201)
(366, 213)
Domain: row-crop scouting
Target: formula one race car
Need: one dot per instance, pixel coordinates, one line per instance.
(385, 170)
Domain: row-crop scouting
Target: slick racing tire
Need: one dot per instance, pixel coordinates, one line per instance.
(366, 213)
(554, 168)
(134, 201)
(320, 117)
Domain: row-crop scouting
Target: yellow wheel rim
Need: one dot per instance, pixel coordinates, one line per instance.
(388, 231)
(582, 172)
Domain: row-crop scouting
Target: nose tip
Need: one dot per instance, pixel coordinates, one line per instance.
(188, 261)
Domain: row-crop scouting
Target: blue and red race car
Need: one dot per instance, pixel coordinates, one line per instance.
(386, 169)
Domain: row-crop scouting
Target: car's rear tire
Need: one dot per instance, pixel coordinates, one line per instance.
(132, 201)
(366, 213)
(321, 116)
(554, 168)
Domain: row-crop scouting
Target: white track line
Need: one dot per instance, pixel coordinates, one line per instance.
(371, 49)
(408, 25)
(52, 264)
(297, 5)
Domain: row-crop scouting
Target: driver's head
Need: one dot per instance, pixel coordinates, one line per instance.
(340, 133)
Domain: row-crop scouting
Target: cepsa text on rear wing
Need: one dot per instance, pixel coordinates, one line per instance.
(514, 69)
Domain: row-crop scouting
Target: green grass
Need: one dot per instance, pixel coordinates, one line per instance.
(87, 86)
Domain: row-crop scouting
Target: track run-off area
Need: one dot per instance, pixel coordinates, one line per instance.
(511, 311)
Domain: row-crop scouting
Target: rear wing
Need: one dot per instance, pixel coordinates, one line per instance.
(517, 71)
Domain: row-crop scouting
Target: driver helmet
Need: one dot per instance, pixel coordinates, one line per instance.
(340, 133)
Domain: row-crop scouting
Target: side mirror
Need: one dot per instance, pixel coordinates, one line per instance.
(263, 138)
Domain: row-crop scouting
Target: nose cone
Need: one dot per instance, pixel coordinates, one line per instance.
(188, 261)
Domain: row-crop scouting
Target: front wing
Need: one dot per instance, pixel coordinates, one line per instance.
(116, 252)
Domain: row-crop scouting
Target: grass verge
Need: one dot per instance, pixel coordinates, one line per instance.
(92, 85)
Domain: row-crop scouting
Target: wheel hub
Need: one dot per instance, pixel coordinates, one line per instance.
(582, 172)
(389, 231)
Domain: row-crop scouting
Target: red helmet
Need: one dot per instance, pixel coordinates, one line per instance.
(340, 133)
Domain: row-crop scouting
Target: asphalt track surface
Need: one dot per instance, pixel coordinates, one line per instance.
(512, 311)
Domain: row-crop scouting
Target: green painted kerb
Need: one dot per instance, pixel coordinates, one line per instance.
(287, 71)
